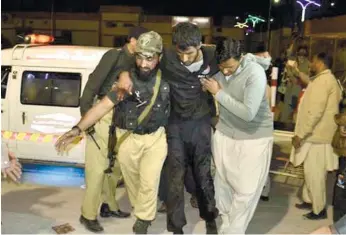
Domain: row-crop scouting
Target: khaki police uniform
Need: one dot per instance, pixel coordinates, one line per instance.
(142, 154)
(100, 187)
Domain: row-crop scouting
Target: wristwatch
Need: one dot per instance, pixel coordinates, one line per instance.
(78, 128)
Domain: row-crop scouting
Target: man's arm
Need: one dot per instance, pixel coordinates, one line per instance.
(95, 113)
(254, 92)
(96, 79)
(319, 98)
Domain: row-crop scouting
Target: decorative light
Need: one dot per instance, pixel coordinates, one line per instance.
(241, 25)
(332, 4)
(249, 30)
(254, 20)
(237, 17)
(304, 6)
(271, 20)
(276, 1)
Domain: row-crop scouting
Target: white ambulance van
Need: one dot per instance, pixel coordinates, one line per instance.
(40, 90)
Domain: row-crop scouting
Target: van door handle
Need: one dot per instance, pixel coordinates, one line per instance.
(2, 111)
(23, 117)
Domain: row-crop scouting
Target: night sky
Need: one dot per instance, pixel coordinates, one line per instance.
(283, 12)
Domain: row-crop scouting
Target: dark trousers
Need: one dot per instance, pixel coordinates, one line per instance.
(189, 183)
(189, 144)
(339, 199)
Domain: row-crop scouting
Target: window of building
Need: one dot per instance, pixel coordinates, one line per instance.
(51, 88)
(5, 72)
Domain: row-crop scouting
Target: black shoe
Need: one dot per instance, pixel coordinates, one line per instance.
(91, 225)
(193, 201)
(211, 227)
(264, 198)
(304, 206)
(141, 226)
(163, 208)
(178, 231)
(106, 212)
(313, 216)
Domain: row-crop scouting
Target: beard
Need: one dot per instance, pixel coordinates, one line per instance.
(145, 73)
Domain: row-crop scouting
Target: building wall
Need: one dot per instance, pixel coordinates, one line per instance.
(9, 25)
(161, 25)
(332, 25)
(116, 21)
(111, 25)
(235, 33)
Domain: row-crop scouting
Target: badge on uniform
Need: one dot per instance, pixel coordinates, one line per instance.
(138, 98)
(341, 181)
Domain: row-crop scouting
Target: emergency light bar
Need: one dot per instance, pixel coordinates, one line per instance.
(38, 39)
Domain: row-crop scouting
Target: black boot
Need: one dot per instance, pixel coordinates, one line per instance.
(106, 212)
(211, 227)
(91, 225)
(178, 231)
(319, 216)
(141, 226)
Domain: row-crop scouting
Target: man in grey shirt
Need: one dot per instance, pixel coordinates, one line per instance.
(243, 140)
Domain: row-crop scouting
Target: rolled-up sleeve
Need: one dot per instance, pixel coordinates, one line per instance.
(112, 95)
(96, 79)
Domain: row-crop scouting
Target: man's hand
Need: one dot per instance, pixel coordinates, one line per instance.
(66, 139)
(14, 171)
(124, 85)
(296, 142)
(211, 85)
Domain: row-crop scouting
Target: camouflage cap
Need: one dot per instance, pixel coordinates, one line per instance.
(149, 43)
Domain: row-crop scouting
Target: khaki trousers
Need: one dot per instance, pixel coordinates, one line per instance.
(141, 159)
(99, 186)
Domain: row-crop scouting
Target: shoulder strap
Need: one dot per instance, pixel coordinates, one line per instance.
(145, 112)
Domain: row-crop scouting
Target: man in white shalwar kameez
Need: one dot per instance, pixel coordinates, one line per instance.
(243, 140)
(313, 135)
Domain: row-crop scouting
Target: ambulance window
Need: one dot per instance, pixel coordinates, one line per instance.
(51, 88)
(5, 71)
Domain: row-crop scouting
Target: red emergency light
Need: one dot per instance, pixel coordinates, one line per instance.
(38, 39)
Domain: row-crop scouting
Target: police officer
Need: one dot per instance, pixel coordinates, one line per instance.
(142, 153)
(98, 85)
(189, 128)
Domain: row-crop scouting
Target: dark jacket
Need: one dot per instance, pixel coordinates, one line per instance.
(188, 101)
(105, 74)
